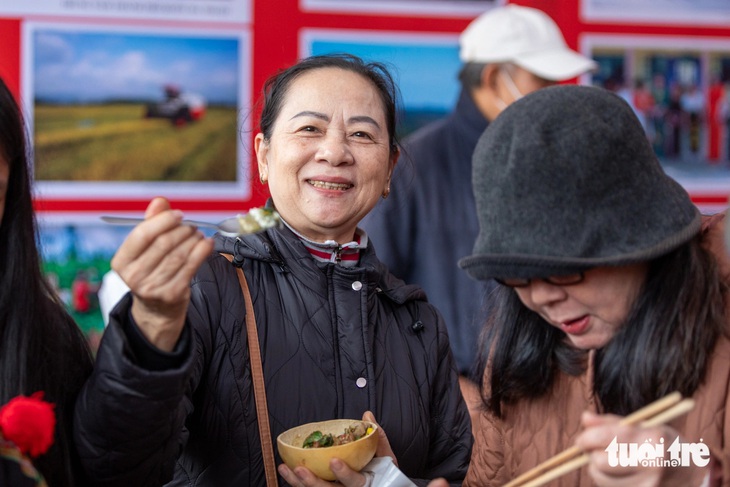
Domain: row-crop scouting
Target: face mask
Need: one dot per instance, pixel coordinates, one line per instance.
(511, 86)
(501, 105)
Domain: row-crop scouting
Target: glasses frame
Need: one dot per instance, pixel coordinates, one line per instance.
(566, 280)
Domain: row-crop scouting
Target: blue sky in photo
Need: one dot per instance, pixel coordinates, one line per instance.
(426, 73)
(83, 67)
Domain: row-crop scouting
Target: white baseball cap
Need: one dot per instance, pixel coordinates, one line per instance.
(523, 36)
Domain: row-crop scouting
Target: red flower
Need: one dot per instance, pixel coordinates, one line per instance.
(29, 423)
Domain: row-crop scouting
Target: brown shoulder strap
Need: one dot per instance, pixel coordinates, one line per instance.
(259, 389)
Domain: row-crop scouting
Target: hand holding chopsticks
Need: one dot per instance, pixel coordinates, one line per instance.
(659, 412)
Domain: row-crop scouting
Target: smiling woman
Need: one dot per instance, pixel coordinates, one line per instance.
(327, 167)
(340, 336)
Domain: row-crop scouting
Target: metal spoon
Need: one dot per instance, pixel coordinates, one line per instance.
(256, 220)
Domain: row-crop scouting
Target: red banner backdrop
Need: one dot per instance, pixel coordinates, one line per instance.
(272, 28)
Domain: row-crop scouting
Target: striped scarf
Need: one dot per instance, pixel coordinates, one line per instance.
(347, 254)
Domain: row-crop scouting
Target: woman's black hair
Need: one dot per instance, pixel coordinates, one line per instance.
(276, 87)
(664, 345)
(41, 347)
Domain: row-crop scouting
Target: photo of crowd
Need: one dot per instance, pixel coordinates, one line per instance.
(682, 99)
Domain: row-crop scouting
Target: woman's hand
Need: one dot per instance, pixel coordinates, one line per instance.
(157, 261)
(600, 431)
(303, 477)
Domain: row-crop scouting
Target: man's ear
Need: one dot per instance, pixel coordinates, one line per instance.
(490, 73)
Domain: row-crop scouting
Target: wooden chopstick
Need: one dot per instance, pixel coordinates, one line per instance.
(683, 407)
(661, 411)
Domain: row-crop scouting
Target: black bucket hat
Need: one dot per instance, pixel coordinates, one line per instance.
(566, 180)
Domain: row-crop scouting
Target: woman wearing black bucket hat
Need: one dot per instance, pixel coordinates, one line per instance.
(610, 299)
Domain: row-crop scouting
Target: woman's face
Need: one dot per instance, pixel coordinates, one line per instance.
(592, 311)
(328, 159)
(4, 177)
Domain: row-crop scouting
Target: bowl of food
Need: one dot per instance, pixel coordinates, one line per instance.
(313, 445)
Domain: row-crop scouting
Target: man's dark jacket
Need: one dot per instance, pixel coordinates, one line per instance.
(429, 222)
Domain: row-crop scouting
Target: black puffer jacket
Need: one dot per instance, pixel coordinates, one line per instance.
(335, 342)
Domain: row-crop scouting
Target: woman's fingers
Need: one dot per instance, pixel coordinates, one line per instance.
(289, 476)
(303, 477)
(345, 475)
(144, 235)
(605, 468)
(157, 261)
(160, 254)
(599, 430)
(162, 260)
(384, 449)
(157, 205)
(162, 292)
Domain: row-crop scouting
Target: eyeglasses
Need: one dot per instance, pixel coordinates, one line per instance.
(567, 280)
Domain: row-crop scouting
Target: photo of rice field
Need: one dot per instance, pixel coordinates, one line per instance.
(129, 106)
(116, 142)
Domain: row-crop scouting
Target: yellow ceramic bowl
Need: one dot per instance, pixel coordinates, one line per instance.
(356, 454)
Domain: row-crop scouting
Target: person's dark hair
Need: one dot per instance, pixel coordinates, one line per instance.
(470, 75)
(41, 347)
(664, 345)
(277, 86)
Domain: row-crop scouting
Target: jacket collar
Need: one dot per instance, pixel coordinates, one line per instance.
(280, 247)
(467, 118)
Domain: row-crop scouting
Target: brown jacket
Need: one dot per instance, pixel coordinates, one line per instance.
(530, 432)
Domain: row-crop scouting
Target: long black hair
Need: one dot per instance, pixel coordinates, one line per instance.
(663, 346)
(41, 347)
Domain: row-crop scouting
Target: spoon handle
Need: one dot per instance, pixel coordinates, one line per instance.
(123, 220)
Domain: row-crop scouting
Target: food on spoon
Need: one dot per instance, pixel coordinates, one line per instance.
(258, 219)
(352, 433)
